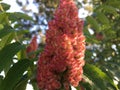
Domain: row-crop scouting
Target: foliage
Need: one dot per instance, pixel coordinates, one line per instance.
(102, 54)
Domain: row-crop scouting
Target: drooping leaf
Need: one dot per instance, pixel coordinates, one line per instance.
(5, 6)
(102, 18)
(86, 86)
(115, 3)
(113, 69)
(18, 16)
(35, 86)
(22, 32)
(21, 54)
(109, 9)
(14, 74)
(2, 17)
(93, 23)
(21, 85)
(7, 53)
(5, 31)
(6, 40)
(98, 77)
(1, 26)
(119, 84)
(1, 78)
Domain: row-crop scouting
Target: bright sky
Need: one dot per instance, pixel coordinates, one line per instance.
(15, 7)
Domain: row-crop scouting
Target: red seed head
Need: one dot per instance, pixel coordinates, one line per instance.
(32, 47)
(63, 56)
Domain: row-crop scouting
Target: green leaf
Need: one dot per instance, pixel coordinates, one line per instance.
(115, 3)
(5, 31)
(1, 78)
(7, 53)
(113, 68)
(21, 85)
(98, 77)
(102, 18)
(119, 84)
(21, 54)
(14, 74)
(93, 22)
(86, 86)
(6, 40)
(109, 9)
(1, 26)
(35, 86)
(2, 17)
(5, 6)
(22, 32)
(18, 16)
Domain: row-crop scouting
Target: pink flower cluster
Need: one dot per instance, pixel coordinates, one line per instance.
(60, 64)
(32, 47)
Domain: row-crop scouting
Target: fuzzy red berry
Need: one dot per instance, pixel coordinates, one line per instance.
(99, 36)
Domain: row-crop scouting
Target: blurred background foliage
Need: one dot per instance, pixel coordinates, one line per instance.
(101, 28)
